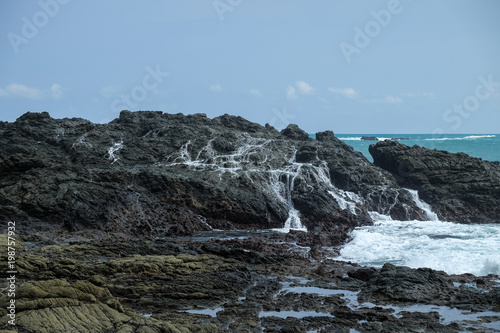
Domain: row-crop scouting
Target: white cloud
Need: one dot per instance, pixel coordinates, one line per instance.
(216, 87)
(291, 93)
(255, 92)
(346, 92)
(392, 100)
(23, 91)
(304, 87)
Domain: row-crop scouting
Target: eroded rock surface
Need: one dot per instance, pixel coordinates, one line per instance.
(174, 285)
(155, 174)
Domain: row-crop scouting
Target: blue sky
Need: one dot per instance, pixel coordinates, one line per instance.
(350, 66)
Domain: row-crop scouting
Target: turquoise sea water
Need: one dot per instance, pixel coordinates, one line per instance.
(486, 146)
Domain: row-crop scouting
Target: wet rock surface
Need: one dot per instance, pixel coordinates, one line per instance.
(173, 285)
(461, 188)
(156, 174)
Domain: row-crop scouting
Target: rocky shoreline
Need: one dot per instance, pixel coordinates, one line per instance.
(171, 223)
(235, 285)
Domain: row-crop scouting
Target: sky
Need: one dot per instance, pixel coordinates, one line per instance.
(364, 66)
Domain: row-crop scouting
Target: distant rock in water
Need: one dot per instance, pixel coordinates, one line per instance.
(399, 139)
(155, 174)
(460, 188)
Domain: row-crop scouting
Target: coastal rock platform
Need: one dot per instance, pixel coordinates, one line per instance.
(173, 285)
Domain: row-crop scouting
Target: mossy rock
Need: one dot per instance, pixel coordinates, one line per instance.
(30, 263)
(88, 318)
(52, 249)
(4, 241)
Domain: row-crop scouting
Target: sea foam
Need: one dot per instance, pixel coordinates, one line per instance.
(451, 247)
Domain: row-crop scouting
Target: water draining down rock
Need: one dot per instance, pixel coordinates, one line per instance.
(252, 159)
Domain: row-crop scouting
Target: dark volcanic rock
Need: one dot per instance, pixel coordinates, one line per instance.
(369, 138)
(459, 187)
(405, 284)
(293, 131)
(427, 286)
(155, 174)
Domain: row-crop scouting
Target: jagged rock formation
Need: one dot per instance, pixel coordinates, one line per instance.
(155, 174)
(460, 188)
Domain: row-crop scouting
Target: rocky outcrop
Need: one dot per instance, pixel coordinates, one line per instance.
(424, 285)
(154, 174)
(459, 187)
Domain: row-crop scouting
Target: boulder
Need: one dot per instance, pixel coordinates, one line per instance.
(460, 188)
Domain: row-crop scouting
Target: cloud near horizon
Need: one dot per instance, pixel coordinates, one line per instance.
(301, 87)
(346, 92)
(393, 100)
(23, 91)
(304, 87)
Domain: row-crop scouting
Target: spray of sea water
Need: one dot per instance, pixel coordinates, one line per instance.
(451, 247)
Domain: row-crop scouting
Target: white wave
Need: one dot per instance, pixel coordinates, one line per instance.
(453, 248)
(377, 217)
(479, 136)
(441, 139)
(462, 138)
(350, 138)
(358, 138)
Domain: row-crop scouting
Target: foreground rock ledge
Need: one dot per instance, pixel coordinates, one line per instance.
(150, 286)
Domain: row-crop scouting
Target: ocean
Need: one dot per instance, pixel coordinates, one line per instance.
(486, 146)
(441, 245)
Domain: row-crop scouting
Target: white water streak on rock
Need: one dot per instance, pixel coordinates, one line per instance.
(252, 158)
(423, 205)
(113, 149)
